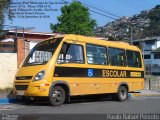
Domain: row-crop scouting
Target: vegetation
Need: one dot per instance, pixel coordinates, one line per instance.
(75, 19)
(145, 24)
(154, 27)
(4, 10)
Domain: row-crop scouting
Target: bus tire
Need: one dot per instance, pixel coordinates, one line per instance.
(57, 96)
(122, 94)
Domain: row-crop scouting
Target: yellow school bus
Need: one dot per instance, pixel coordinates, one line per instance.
(73, 65)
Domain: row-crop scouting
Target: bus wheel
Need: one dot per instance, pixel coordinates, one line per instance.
(122, 94)
(57, 96)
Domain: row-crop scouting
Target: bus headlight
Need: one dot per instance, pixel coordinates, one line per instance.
(40, 75)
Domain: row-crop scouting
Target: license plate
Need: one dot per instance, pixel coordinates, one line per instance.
(20, 93)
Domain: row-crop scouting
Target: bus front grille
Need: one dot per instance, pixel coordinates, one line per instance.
(21, 87)
(24, 78)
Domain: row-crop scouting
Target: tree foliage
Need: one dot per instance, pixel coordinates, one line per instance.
(4, 11)
(75, 19)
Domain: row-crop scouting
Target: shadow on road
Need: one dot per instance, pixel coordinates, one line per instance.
(74, 100)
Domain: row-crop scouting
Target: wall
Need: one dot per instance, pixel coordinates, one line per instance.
(152, 82)
(8, 67)
(23, 48)
(20, 50)
(32, 44)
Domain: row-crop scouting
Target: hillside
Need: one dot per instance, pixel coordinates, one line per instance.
(145, 24)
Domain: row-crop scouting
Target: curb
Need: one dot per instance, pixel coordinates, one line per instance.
(141, 94)
(7, 101)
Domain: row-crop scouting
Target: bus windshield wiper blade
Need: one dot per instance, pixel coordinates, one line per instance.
(34, 63)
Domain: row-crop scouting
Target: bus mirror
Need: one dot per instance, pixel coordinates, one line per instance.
(64, 48)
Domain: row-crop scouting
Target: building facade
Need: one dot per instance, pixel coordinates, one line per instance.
(151, 53)
(13, 49)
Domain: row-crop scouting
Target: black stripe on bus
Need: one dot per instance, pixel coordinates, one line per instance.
(96, 73)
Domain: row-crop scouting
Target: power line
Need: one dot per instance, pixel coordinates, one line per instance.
(140, 3)
(96, 8)
(128, 4)
(101, 10)
(97, 12)
(135, 3)
(103, 14)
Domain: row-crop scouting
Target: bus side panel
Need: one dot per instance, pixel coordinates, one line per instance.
(86, 86)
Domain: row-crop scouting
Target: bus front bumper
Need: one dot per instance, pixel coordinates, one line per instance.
(32, 89)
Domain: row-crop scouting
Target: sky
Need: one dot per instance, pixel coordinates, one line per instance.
(103, 11)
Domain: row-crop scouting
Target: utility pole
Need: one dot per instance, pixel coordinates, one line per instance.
(131, 35)
(130, 29)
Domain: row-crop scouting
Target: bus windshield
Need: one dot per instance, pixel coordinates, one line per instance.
(42, 52)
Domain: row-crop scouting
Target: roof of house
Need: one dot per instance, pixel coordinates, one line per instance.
(147, 39)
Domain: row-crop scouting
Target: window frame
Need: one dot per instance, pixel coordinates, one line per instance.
(98, 46)
(155, 58)
(147, 55)
(139, 55)
(83, 61)
(124, 54)
(107, 54)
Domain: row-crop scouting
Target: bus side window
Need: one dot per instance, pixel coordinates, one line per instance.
(133, 59)
(116, 57)
(138, 60)
(71, 53)
(96, 54)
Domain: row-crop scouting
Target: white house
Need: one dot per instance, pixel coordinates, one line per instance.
(151, 54)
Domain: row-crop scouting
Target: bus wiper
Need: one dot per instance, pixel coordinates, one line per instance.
(38, 63)
(35, 63)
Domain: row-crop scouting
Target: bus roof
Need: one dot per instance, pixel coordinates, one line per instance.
(102, 42)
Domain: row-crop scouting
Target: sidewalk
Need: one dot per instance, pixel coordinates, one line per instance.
(7, 97)
(146, 93)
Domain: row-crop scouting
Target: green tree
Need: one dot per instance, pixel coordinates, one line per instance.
(4, 11)
(75, 19)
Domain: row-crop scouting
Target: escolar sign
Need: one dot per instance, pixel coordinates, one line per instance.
(114, 73)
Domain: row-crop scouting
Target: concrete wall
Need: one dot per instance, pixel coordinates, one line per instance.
(32, 44)
(153, 82)
(8, 67)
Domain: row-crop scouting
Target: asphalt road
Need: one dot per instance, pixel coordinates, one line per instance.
(137, 105)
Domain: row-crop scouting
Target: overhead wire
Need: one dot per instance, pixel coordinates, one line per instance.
(134, 3)
(99, 11)
(113, 12)
(140, 3)
(99, 8)
(124, 3)
(103, 14)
